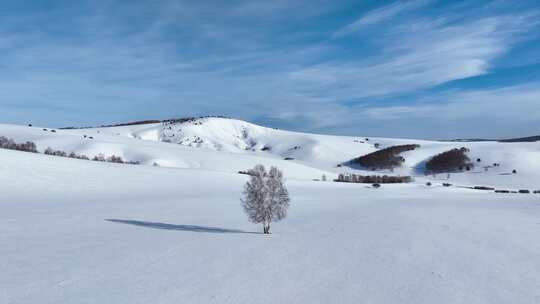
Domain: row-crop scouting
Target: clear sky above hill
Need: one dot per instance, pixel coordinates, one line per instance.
(428, 69)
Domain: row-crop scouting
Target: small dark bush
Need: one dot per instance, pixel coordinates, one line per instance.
(446, 185)
(514, 171)
(483, 188)
(100, 157)
(115, 159)
(77, 156)
(524, 191)
(502, 191)
(376, 186)
(428, 184)
(536, 191)
(51, 151)
(449, 161)
(288, 158)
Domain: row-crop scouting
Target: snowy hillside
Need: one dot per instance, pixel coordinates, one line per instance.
(75, 231)
(172, 230)
(120, 141)
(230, 145)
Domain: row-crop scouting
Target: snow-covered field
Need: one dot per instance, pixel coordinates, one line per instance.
(75, 231)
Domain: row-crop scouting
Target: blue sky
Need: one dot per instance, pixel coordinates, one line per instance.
(421, 68)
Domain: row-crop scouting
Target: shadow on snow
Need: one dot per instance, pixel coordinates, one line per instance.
(190, 228)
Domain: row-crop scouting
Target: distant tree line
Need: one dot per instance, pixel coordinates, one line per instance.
(370, 179)
(449, 161)
(10, 144)
(100, 157)
(386, 158)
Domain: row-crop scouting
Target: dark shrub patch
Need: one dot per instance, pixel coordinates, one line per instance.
(483, 188)
(376, 186)
(384, 159)
(50, 151)
(502, 191)
(449, 161)
(446, 185)
(524, 191)
(100, 157)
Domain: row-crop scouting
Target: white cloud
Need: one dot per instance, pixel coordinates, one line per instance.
(519, 103)
(416, 57)
(378, 15)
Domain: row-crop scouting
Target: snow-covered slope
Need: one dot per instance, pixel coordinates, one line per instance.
(74, 231)
(77, 231)
(111, 141)
(230, 145)
(237, 136)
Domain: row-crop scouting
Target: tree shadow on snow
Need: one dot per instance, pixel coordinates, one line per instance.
(190, 228)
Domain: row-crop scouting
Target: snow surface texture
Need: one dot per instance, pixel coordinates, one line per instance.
(75, 231)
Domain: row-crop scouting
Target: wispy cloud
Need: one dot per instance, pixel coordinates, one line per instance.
(378, 15)
(498, 104)
(270, 62)
(418, 55)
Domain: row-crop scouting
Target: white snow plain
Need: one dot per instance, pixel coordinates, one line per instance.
(75, 231)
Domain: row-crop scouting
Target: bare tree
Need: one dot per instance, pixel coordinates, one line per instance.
(266, 198)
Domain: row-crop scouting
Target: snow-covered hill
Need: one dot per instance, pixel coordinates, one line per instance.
(231, 145)
(78, 231)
